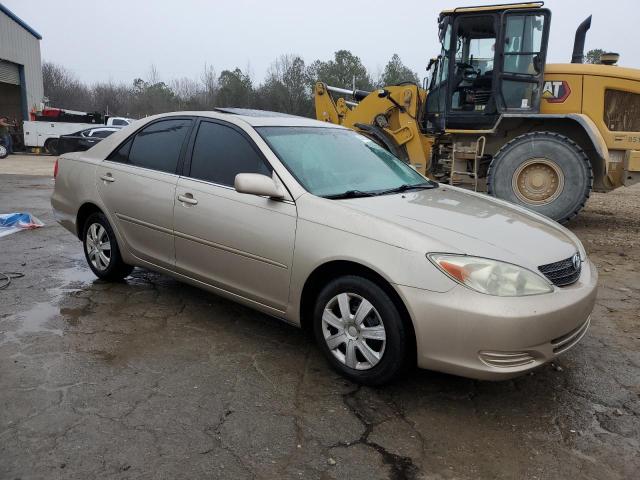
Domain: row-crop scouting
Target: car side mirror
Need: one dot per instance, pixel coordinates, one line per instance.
(257, 184)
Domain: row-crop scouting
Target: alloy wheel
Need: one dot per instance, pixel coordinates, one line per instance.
(98, 247)
(354, 331)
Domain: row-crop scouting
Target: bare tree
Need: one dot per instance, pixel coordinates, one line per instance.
(286, 87)
(111, 98)
(153, 77)
(189, 93)
(63, 89)
(209, 80)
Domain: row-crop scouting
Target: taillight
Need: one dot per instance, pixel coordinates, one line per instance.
(55, 169)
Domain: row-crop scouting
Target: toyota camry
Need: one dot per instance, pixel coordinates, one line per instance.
(325, 229)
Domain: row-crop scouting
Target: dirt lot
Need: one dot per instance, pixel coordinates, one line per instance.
(156, 379)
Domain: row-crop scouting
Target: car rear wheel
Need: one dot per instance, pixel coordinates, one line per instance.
(4, 152)
(51, 146)
(360, 330)
(101, 249)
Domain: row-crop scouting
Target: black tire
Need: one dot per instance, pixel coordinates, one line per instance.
(115, 270)
(4, 151)
(394, 353)
(51, 146)
(384, 140)
(558, 152)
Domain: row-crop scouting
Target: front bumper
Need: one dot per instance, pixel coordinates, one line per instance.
(486, 337)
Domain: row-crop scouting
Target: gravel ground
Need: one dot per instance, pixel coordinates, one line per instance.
(155, 379)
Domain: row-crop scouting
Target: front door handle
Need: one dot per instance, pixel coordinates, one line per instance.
(187, 198)
(107, 178)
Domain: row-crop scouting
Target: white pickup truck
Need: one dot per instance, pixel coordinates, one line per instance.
(45, 134)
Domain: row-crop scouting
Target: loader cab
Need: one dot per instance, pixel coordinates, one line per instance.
(491, 63)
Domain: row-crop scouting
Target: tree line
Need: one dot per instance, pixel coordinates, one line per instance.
(287, 87)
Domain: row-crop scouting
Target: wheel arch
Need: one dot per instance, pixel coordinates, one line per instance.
(84, 211)
(577, 127)
(338, 268)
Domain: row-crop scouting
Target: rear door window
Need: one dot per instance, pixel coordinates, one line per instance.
(220, 153)
(156, 146)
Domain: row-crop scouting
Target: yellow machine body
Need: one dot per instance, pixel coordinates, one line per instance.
(597, 106)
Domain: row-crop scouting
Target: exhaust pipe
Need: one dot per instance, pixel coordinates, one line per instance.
(578, 44)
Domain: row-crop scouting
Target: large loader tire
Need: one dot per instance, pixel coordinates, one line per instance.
(543, 171)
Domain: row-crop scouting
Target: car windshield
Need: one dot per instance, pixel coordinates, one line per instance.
(332, 162)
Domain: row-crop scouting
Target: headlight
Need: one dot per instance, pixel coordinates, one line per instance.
(490, 276)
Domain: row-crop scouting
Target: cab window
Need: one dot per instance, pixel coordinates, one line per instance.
(523, 60)
(474, 60)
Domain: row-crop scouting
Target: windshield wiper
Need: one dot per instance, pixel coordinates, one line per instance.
(349, 194)
(405, 187)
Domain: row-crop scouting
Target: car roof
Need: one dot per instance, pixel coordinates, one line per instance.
(255, 118)
(91, 129)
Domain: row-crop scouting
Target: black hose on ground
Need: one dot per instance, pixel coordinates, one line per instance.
(5, 278)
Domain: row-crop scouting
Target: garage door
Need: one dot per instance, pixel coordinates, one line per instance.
(9, 73)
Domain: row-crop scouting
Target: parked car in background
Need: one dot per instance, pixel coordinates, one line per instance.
(323, 228)
(119, 121)
(46, 126)
(83, 140)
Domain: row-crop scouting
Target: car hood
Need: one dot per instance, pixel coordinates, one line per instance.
(459, 221)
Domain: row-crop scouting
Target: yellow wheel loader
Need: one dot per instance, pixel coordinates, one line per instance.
(496, 117)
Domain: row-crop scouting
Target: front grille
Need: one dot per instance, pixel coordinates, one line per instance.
(562, 273)
(565, 342)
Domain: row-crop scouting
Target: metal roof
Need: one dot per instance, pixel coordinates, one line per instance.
(487, 8)
(19, 21)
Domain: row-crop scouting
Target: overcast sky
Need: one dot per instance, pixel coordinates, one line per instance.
(119, 39)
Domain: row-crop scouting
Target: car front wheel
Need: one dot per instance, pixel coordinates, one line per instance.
(360, 330)
(101, 249)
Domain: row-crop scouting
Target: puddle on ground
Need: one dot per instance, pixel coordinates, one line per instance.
(75, 276)
(38, 318)
(72, 315)
(34, 320)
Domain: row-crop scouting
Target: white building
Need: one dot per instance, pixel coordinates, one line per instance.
(21, 86)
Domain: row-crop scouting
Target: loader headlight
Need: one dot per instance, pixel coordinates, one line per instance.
(490, 276)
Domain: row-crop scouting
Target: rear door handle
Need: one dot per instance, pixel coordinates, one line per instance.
(187, 198)
(107, 178)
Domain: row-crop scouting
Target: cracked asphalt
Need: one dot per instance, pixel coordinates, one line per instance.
(156, 379)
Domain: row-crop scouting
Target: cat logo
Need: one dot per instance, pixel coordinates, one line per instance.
(556, 91)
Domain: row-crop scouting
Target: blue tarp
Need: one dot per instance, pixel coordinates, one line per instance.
(14, 222)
